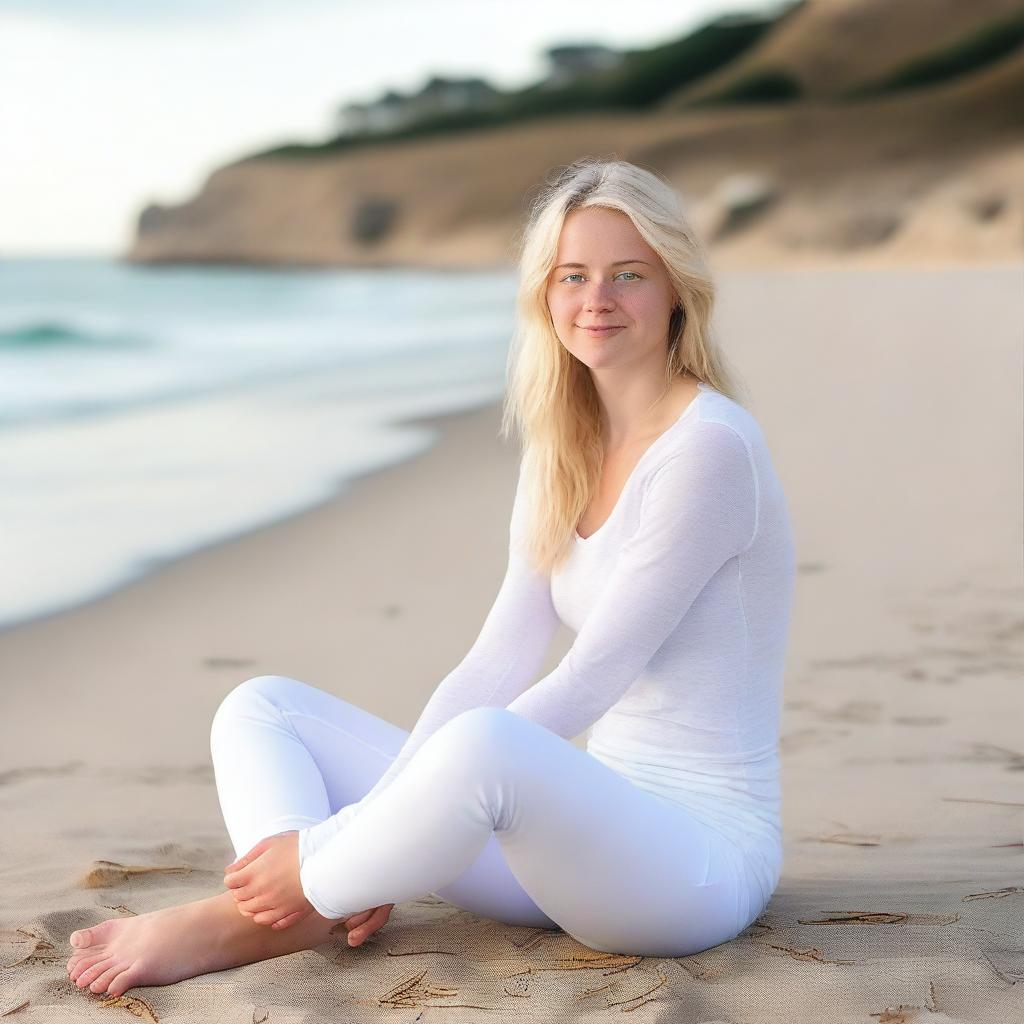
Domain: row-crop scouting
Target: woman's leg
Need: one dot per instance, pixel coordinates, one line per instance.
(287, 755)
(164, 946)
(617, 867)
(167, 945)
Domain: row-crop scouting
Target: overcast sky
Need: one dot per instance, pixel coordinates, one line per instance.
(106, 105)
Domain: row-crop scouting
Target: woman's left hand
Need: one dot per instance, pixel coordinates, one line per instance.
(265, 882)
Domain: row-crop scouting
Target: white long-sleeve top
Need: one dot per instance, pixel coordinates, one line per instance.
(680, 603)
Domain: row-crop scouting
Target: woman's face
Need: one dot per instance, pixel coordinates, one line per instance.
(620, 282)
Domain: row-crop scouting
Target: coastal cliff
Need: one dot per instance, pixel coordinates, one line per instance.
(904, 175)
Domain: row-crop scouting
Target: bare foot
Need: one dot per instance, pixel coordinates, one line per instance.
(165, 946)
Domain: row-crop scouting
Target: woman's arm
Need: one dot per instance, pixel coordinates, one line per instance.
(502, 662)
(699, 510)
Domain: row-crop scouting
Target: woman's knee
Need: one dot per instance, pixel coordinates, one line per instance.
(483, 736)
(263, 692)
(489, 723)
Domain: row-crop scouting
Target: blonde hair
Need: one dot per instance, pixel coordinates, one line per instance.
(550, 397)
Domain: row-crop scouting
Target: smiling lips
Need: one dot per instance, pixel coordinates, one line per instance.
(600, 331)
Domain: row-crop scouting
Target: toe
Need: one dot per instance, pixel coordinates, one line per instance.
(122, 982)
(101, 983)
(94, 935)
(84, 963)
(90, 974)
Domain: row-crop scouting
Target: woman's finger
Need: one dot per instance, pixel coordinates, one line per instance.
(377, 920)
(248, 858)
(255, 905)
(357, 919)
(291, 919)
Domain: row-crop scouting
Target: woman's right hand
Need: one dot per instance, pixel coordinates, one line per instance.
(366, 922)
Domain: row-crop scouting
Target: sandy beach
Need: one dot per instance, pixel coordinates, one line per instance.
(892, 402)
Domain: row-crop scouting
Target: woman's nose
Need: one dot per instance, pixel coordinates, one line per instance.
(599, 295)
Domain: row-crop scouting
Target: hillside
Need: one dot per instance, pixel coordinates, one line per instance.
(831, 47)
(915, 176)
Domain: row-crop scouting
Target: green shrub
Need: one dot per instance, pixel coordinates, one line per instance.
(764, 86)
(970, 52)
(640, 81)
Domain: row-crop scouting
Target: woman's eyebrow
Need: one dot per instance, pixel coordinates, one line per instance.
(617, 263)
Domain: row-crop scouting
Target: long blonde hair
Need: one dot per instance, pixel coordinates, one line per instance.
(550, 397)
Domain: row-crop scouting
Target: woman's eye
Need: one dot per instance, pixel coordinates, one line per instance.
(630, 272)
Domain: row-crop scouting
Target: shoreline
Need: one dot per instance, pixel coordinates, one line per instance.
(393, 581)
(394, 447)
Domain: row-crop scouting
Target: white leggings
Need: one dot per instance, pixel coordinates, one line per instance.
(494, 814)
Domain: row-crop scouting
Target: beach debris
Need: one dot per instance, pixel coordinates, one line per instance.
(644, 997)
(41, 952)
(414, 990)
(611, 963)
(879, 917)
(135, 1005)
(858, 917)
(539, 935)
(109, 872)
(809, 953)
(980, 800)
(996, 894)
(14, 1009)
(899, 1015)
(850, 839)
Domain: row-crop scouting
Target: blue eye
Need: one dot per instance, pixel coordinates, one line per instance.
(577, 274)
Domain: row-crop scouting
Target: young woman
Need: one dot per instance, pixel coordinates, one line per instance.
(647, 517)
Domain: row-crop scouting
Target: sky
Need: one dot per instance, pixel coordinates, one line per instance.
(108, 105)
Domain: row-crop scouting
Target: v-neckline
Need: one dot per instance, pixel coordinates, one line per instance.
(701, 387)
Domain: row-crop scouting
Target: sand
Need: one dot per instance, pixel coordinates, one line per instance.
(892, 404)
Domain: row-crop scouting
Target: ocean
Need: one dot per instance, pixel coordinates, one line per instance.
(150, 411)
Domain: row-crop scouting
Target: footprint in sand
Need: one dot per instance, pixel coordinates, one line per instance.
(865, 712)
(801, 739)
(23, 774)
(213, 661)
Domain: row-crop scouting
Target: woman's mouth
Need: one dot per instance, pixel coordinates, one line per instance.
(600, 332)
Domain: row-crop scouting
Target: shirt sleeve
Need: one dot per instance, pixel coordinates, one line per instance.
(699, 510)
(502, 662)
